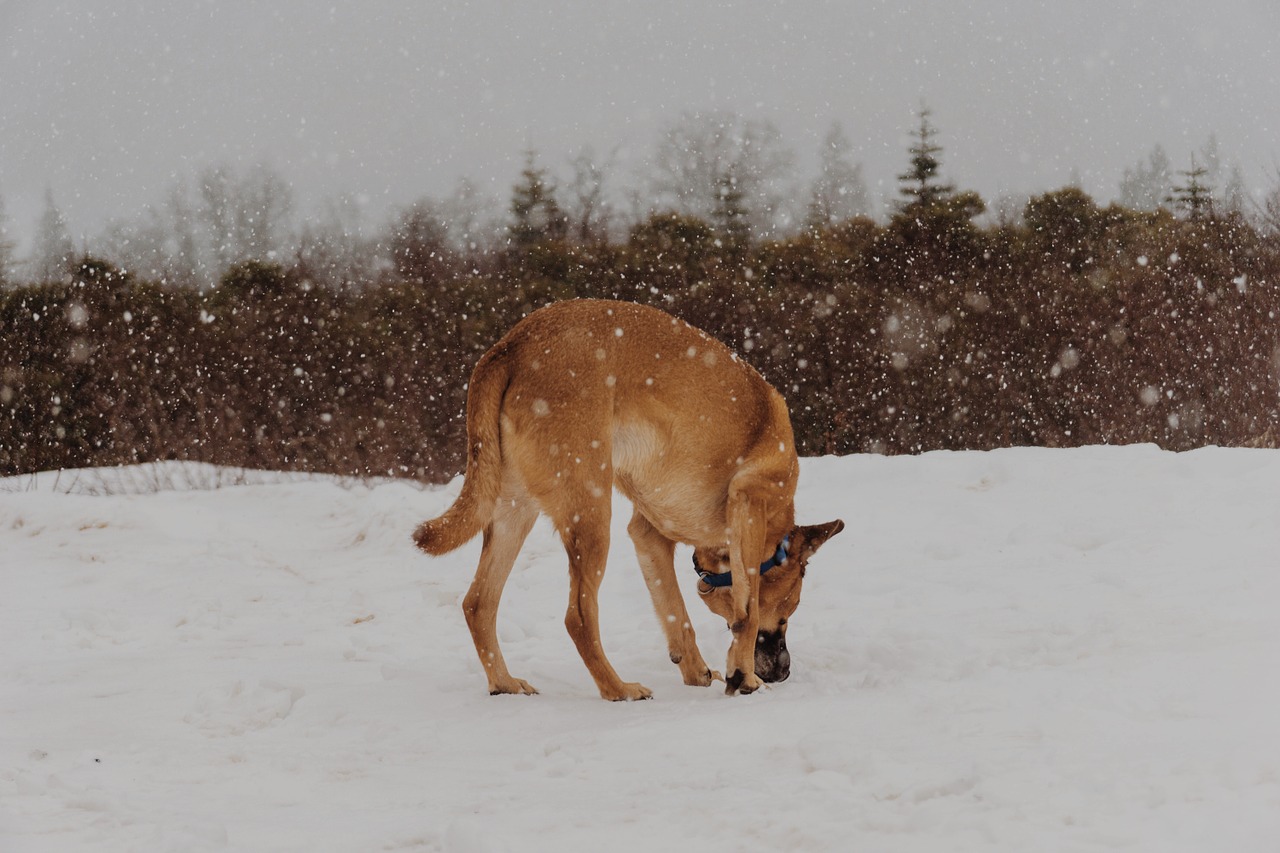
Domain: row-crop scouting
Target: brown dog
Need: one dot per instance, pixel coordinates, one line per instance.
(583, 396)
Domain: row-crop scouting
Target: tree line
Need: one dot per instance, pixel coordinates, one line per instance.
(1071, 323)
(735, 173)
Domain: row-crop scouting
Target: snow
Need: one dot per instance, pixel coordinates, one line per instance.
(1019, 650)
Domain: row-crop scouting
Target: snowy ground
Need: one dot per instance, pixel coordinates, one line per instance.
(1020, 650)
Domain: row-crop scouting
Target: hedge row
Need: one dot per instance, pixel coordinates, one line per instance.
(1080, 325)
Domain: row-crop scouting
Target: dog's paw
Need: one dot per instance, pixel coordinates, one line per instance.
(512, 685)
(630, 691)
(701, 678)
(740, 682)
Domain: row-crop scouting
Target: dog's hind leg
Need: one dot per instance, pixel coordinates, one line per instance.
(586, 539)
(656, 554)
(513, 518)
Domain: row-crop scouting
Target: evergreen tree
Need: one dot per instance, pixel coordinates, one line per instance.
(921, 185)
(933, 223)
(1195, 197)
(536, 216)
(53, 252)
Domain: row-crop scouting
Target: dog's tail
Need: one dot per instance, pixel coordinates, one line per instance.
(474, 506)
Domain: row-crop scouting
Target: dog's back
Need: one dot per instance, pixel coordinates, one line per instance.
(600, 388)
(592, 394)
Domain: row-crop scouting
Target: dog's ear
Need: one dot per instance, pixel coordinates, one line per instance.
(815, 535)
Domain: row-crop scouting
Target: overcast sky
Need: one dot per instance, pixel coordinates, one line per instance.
(106, 103)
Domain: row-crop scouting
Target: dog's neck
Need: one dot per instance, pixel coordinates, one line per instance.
(721, 579)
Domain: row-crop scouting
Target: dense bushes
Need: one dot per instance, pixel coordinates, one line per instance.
(1081, 325)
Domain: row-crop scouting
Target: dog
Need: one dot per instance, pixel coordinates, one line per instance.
(584, 396)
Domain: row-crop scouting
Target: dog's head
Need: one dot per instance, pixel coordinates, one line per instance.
(779, 594)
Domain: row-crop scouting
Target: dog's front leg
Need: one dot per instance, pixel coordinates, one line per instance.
(740, 675)
(746, 543)
(656, 555)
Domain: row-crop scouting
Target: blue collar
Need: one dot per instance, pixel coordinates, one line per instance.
(722, 579)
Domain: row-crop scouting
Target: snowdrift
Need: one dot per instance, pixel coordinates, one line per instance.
(1017, 650)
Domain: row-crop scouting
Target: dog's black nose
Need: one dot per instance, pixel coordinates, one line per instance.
(773, 661)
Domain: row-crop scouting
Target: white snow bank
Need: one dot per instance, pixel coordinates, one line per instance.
(1019, 650)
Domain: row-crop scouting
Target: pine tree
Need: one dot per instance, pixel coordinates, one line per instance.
(536, 216)
(1195, 197)
(921, 185)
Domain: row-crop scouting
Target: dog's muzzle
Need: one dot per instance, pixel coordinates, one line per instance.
(773, 661)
